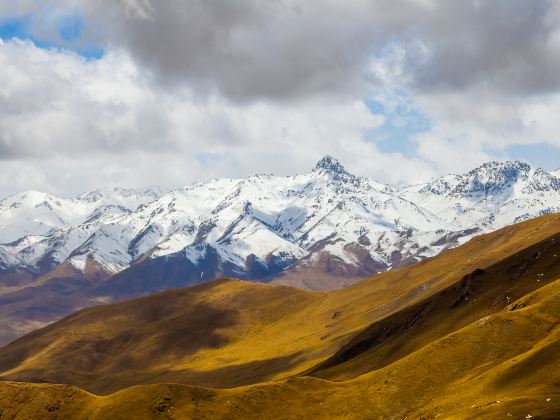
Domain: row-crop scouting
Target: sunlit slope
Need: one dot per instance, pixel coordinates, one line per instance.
(499, 366)
(479, 294)
(159, 339)
(230, 333)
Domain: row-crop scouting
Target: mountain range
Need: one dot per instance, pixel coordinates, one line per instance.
(321, 230)
(263, 224)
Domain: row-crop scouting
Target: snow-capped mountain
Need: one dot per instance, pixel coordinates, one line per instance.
(259, 226)
(490, 196)
(41, 230)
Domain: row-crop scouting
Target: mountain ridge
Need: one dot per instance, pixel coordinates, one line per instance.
(121, 226)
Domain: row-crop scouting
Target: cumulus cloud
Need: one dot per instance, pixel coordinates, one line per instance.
(87, 123)
(211, 88)
(250, 49)
(507, 46)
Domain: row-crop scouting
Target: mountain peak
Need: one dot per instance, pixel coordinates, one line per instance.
(330, 165)
(503, 166)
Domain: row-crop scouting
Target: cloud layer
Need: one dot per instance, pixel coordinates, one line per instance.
(188, 89)
(249, 49)
(90, 123)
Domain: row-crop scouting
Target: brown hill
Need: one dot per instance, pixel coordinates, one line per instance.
(32, 304)
(471, 332)
(29, 301)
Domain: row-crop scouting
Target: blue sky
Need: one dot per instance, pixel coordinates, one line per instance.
(401, 123)
(68, 31)
(405, 120)
(541, 154)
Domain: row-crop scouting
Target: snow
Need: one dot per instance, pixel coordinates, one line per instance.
(491, 196)
(289, 218)
(79, 262)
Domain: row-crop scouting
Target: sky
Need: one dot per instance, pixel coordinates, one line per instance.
(141, 93)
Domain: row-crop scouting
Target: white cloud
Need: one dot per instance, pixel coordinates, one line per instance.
(69, 124)
(261, 87)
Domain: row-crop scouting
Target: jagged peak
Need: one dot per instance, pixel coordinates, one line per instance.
(100, 193)
(329, 164)
(496, 178)
(507, 165)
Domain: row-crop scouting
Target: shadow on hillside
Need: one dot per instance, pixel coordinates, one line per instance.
(471, 297)
(163, 332)
(229, 376)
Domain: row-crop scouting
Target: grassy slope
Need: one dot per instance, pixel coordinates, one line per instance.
(418, 341)
(475, 372)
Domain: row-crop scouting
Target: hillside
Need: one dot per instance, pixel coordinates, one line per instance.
(470, 333)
